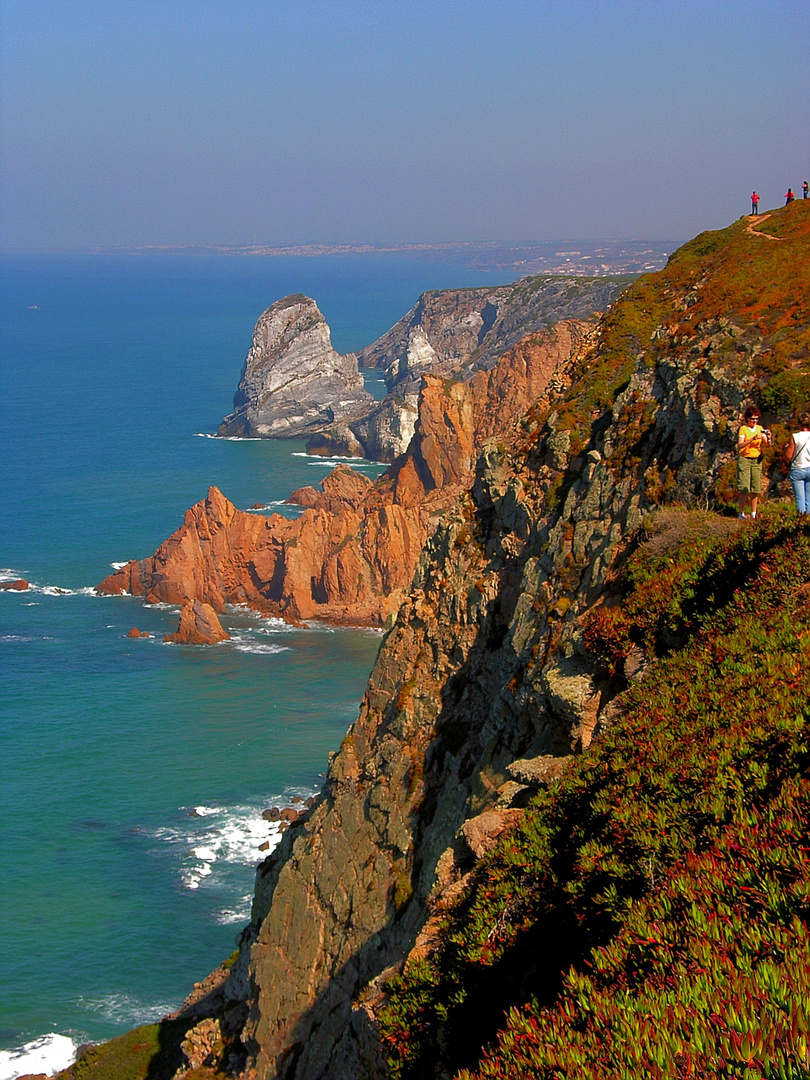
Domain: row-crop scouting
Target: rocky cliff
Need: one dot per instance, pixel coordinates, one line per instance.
(351, 556)
(509, 657)
(293, 382)
(458, 331)
(483, 682)
(453, 333)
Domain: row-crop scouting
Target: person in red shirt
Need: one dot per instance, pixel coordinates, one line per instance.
(754, 203)
(789, 196)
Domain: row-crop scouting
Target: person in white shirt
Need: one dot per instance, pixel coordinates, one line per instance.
(797, 456)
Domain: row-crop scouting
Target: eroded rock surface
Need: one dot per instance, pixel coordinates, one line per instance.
(457, 331)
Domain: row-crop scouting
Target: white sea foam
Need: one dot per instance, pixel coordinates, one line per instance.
(119, 565)
(204, 853)
(273, 504)
(46, 590)
(127, 1009)
(215, 837)
(269, 624)
(226, 438)
(240, 913)
(48, 1054)
(256, 648)
(336, 459)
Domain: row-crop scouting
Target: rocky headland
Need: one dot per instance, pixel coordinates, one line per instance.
(567, 833)
(351, 556)
(294, 384)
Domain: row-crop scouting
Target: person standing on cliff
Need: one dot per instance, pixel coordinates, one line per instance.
(754, 203)
(805, 189)
(797, 458)
(789, 196)
(750, 442)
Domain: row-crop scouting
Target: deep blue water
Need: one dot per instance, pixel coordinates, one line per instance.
(115, 893)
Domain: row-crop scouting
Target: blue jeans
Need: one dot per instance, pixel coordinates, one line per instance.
(800, 479)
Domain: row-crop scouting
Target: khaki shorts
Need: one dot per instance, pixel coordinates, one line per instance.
(749, 475)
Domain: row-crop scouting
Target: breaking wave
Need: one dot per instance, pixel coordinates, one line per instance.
(48, 1054)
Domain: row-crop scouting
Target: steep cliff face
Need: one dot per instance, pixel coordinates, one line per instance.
(483, 688)
(456, 332)
(293, 382)
(461, 330)
(351, 555)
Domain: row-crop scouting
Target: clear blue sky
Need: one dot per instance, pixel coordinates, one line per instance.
(140, 122)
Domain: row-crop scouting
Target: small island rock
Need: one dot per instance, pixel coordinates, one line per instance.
(199, 625)
(20, 585)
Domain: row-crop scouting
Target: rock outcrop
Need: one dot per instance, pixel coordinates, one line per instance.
(293, 382)
(199, 625)
(454, 333)
(457, 331)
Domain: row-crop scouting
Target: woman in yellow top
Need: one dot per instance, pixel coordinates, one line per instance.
(751, 441)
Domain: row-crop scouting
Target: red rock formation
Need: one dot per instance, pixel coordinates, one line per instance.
(136, 633)
(199, 625)
(351, 556)
(20, 585)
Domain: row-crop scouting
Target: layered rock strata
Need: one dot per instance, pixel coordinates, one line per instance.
(458, 331)
(293, 383)
(453, 333)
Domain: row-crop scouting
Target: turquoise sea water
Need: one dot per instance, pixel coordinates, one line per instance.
(134, 773)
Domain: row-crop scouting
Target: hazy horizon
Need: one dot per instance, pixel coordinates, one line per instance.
(142, 124)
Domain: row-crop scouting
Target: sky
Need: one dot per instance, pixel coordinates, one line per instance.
(127, 123)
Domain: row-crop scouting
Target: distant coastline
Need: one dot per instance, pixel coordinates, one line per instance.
(595, 258)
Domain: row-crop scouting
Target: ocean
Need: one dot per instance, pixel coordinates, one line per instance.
(134, 774)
